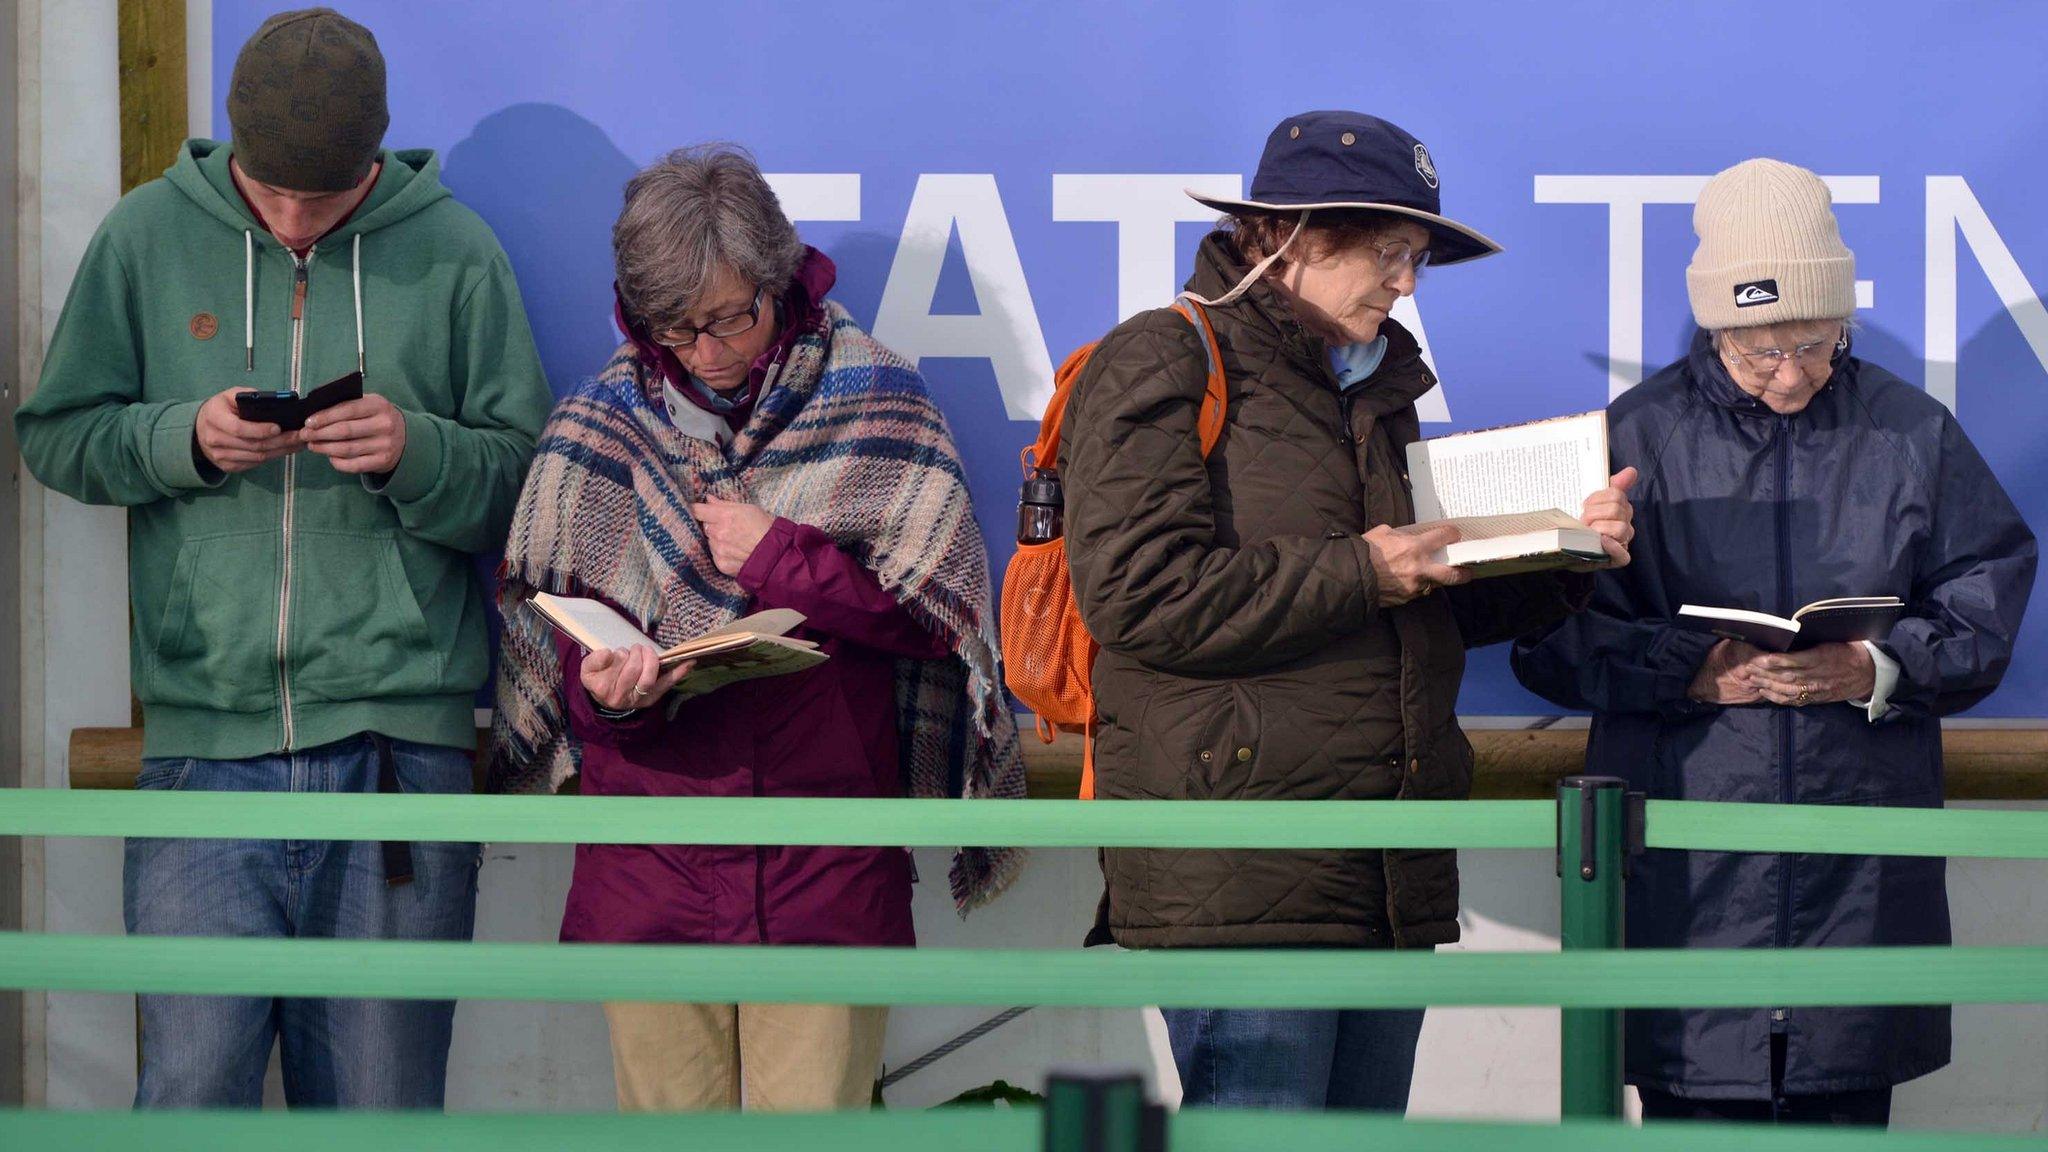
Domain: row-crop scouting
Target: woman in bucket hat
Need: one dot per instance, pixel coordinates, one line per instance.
(1267, 630)
(1779, 469)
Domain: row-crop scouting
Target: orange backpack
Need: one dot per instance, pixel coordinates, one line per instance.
(1048, 655)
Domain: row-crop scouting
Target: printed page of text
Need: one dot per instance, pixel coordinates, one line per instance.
(1550, 464)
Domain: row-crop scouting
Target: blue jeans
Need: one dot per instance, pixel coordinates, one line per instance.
(211, 1051)
(1298, 1060)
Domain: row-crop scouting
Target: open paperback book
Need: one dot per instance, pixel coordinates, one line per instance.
(746, 649)
(1513, 493)
(1842, 620)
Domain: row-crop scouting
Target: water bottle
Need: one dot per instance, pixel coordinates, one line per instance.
(1040, 508)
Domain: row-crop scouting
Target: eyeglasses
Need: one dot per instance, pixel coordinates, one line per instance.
(1398, 254)
(683, 336)
(1810, 354)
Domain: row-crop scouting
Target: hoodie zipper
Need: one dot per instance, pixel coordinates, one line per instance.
(300, 266)
(1779, 1016)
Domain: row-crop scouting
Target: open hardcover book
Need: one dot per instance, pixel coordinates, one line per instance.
(1513, 493)
(1842, 620)
(746, 649)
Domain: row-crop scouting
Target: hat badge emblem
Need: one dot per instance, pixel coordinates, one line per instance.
(1423, 167)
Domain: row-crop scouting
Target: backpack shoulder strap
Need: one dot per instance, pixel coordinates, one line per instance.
(1045, 452)
(1215, 399)
(1209, 424)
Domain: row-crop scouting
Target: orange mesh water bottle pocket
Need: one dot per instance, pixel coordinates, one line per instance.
(1047, 653)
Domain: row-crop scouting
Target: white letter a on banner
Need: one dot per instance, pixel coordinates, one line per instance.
(1005, 332)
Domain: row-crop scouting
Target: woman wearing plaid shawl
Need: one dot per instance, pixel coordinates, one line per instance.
(749, 447)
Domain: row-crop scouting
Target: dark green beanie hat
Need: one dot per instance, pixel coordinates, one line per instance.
(307, 102)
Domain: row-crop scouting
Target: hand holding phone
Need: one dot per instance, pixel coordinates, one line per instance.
(232, 443)
(362, 436)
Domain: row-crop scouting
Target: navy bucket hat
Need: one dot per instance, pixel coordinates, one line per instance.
(1351, 160)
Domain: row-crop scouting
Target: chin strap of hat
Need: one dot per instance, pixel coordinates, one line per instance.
(1258, 269)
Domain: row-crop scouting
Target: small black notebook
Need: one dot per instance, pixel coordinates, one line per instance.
(1841, 620)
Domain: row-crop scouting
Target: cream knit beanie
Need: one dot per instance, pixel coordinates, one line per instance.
(1769, 249)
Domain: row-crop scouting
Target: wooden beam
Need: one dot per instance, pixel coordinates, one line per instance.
(1511, 764)
(152, 69)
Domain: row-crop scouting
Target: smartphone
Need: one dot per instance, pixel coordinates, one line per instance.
(289, 410)
(279, 408)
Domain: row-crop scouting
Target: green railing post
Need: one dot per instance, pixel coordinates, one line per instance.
(1101, 1112)
(1592, 830)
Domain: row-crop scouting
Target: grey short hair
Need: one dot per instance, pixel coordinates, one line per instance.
(1850, 326)
(690, 214)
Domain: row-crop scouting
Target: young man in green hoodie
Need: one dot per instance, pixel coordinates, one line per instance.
(305, 614)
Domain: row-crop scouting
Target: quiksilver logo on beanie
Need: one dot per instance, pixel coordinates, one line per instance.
(1756, 292)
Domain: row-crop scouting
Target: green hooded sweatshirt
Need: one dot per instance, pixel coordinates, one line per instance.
(292, 605)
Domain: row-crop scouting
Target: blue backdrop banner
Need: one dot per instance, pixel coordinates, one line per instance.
(999, 183)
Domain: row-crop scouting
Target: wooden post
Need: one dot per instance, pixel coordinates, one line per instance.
(152, 71)
(152, 57)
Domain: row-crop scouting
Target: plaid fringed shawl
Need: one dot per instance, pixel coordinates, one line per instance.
(847, 440)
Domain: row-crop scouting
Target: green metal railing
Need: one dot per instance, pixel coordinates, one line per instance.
(940, 1130)
(1593, 827)
(1478, 824)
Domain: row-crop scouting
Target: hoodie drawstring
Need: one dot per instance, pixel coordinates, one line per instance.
(358, 246)
(1257, 271)
(248, 301)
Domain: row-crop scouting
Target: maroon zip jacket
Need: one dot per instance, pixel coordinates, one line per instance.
(827, 731)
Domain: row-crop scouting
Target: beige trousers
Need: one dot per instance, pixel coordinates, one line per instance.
(789, 1057)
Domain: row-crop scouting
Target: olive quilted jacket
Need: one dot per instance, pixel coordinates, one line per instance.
(1244, 655)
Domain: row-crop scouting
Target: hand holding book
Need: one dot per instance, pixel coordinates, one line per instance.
(1610, 513)
(1508, 492)
(1405, 564)
(1814, 656)
(1724, 676)
(1410, 562)
(1737, 672)
(1822, 674)
(623, 679)
(617, 651)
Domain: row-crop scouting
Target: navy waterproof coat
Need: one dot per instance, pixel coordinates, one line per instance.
(1871, 490)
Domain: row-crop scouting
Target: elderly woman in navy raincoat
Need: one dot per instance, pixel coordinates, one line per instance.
(1778, 469)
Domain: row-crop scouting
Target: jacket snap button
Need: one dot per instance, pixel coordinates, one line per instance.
(1207, 755)
(1348, 139)
(1294, 133)
(1243, 754)
(1414, 766)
